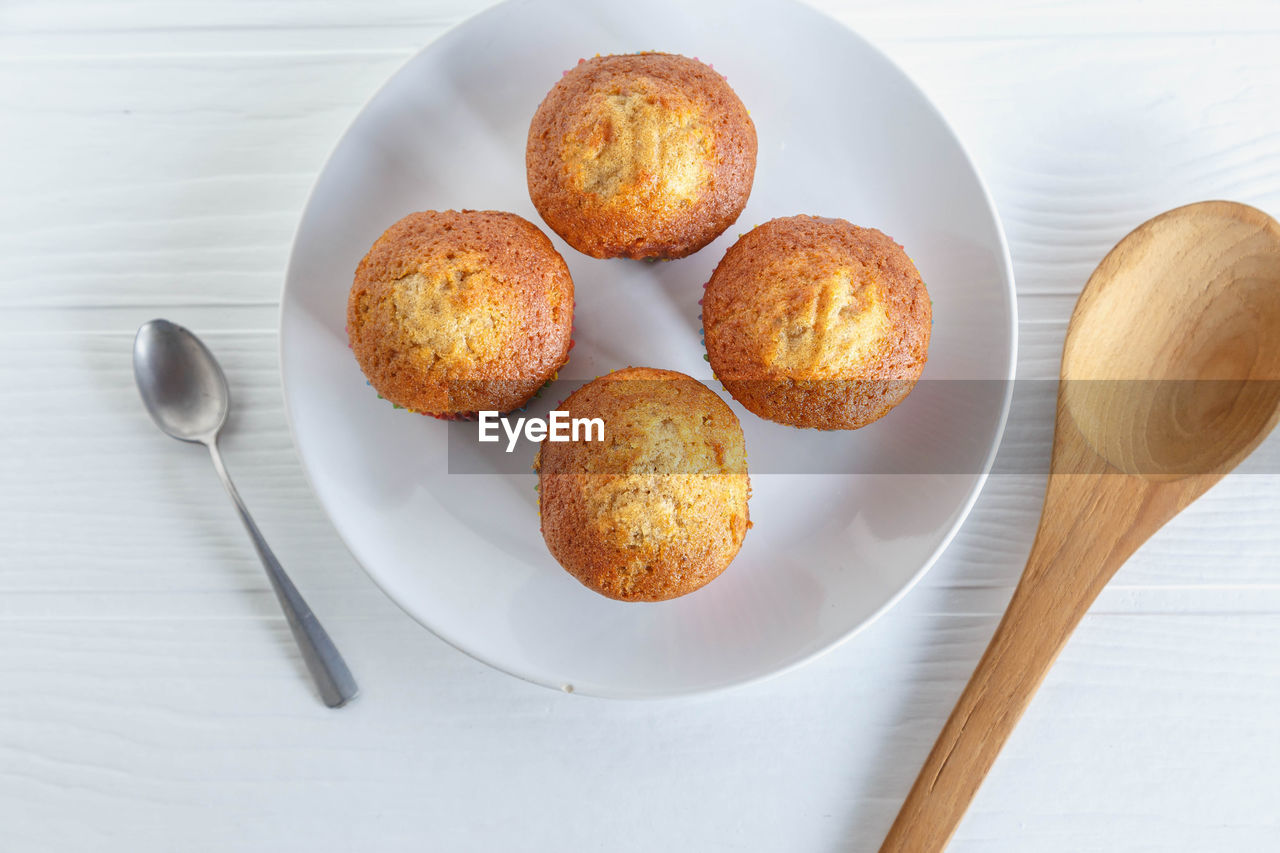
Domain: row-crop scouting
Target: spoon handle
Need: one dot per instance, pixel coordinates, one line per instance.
(334, 680)
(1076, 552)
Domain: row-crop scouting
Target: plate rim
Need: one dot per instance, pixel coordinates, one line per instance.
(971, 498)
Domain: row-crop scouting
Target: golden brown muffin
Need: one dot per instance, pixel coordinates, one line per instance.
(455, 312)
(659, 507)
(645, 155)
(817, 323)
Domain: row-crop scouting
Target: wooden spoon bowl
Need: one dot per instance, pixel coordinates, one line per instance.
(1170, 377)
(1172, 351)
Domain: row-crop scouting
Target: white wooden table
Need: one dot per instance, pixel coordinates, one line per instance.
(154, 160)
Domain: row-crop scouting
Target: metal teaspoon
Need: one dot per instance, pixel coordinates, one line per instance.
(186, 393)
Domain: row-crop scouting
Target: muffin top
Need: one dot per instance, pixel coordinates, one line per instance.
(454, 312)
(640, 155)
(808, 298)
(659, 507)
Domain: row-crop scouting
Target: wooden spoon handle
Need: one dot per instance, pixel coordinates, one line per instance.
(1070, 562)
(1020, 653)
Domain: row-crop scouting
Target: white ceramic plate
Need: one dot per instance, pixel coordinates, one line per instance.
(843, 133)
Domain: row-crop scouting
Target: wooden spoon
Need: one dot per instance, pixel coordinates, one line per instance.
(1169, 378)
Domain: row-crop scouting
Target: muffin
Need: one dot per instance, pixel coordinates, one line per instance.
(817, 323)
(656, 509)
(456, 312)
(645, 155)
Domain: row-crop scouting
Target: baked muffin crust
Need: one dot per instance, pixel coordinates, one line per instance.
(659, 508)
(816, 322)
(647, 155)
(454, 312)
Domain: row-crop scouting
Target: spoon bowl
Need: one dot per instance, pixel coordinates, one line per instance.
(181, 383)
(1172, 354)
(1170, 377)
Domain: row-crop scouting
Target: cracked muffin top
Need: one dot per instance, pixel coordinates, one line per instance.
(659, 507)
(454, 312)
(646, 155)
(817, 323)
